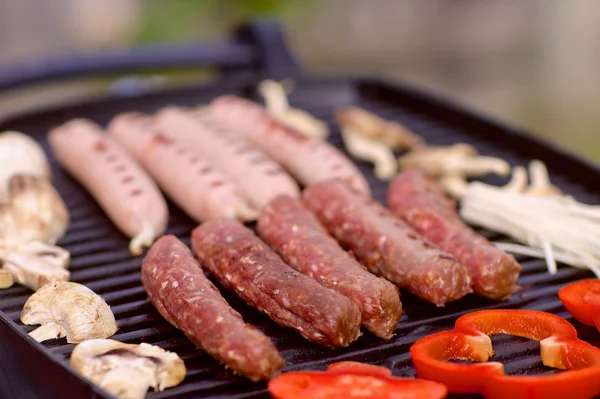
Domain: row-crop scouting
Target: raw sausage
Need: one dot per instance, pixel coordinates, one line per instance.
(298, 237)
(309, 160)
(418, 200)
(198, 188)
(386, 245)
(246, 265)
(259, 178)
(182, 294)
(120, 186)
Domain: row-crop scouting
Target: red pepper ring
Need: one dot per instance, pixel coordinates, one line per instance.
(469, 340)
(345, 380)
(582, 300)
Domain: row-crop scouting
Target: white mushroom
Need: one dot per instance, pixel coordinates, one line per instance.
(380, 155)
(68, 309)
(38, 210)
(458, 159)
(278, 107)
(371, 126)
(32, 270)
(126, 370)
(20, 154)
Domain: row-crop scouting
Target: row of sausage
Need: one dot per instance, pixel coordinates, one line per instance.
(300, 274)
(228, 160)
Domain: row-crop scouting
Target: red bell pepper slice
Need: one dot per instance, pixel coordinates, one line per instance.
(354, 380)
(469, 340)
(582, 300)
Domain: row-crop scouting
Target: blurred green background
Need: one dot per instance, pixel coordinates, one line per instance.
(531, 63)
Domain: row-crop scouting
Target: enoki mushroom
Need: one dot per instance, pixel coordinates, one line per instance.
(545, 223)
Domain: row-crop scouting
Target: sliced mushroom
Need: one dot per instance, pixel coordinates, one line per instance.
(38, 209)
(278, 107)
(371, 126)
(127, 371)
(380, 155)
(68, 309)
(458, 159)
(20, 154)
(31, 270)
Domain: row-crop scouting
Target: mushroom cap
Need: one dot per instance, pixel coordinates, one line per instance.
(71, 310)
(127, 370)
(20, 154)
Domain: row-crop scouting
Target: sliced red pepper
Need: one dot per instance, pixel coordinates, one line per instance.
(582, 300)
(469, 340)
(358, 368)
(354, 380)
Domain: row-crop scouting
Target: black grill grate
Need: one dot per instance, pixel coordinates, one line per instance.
(100, 258)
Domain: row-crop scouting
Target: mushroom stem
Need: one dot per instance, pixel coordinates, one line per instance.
(126, 382)
(371, 151)
(46, 332)
(6, 279)
(455, 185)
(144, 239)
(480, 166)
(518, 181)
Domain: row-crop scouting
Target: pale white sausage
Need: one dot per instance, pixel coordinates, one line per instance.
(309, 160)
(199, 189)
(120, 186)
(259, 178)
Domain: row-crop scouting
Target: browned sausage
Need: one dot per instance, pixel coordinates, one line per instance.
(387, 245)
(247, 266)
(182, 294)
(418, 200)
(298, 237)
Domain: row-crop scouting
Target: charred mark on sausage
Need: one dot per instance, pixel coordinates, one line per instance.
(100, 146)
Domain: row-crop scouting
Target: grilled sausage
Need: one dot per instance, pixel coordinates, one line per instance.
(120, 186)
(259, 178)
(309, 160)
(198, 188)
(182, 294)
(386, 245)
(298, 237)
(418, 200)
(246, 265)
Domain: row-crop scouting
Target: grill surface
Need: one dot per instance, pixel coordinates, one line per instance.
(101, 261)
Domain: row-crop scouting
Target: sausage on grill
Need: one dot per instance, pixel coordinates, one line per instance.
(298, 237)
(387, 246)
(182, 294)
(120, 186)
(202, 191)
(259, 178)
(246, 265)
(309, 160)
(418, 200)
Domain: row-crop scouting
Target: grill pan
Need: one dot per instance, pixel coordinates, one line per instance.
(101, 261)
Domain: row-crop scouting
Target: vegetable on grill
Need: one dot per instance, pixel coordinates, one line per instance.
(469, 340)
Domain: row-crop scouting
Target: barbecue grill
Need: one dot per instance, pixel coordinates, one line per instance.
(101, 260)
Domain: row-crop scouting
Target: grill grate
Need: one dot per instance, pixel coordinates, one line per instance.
(100, 258)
